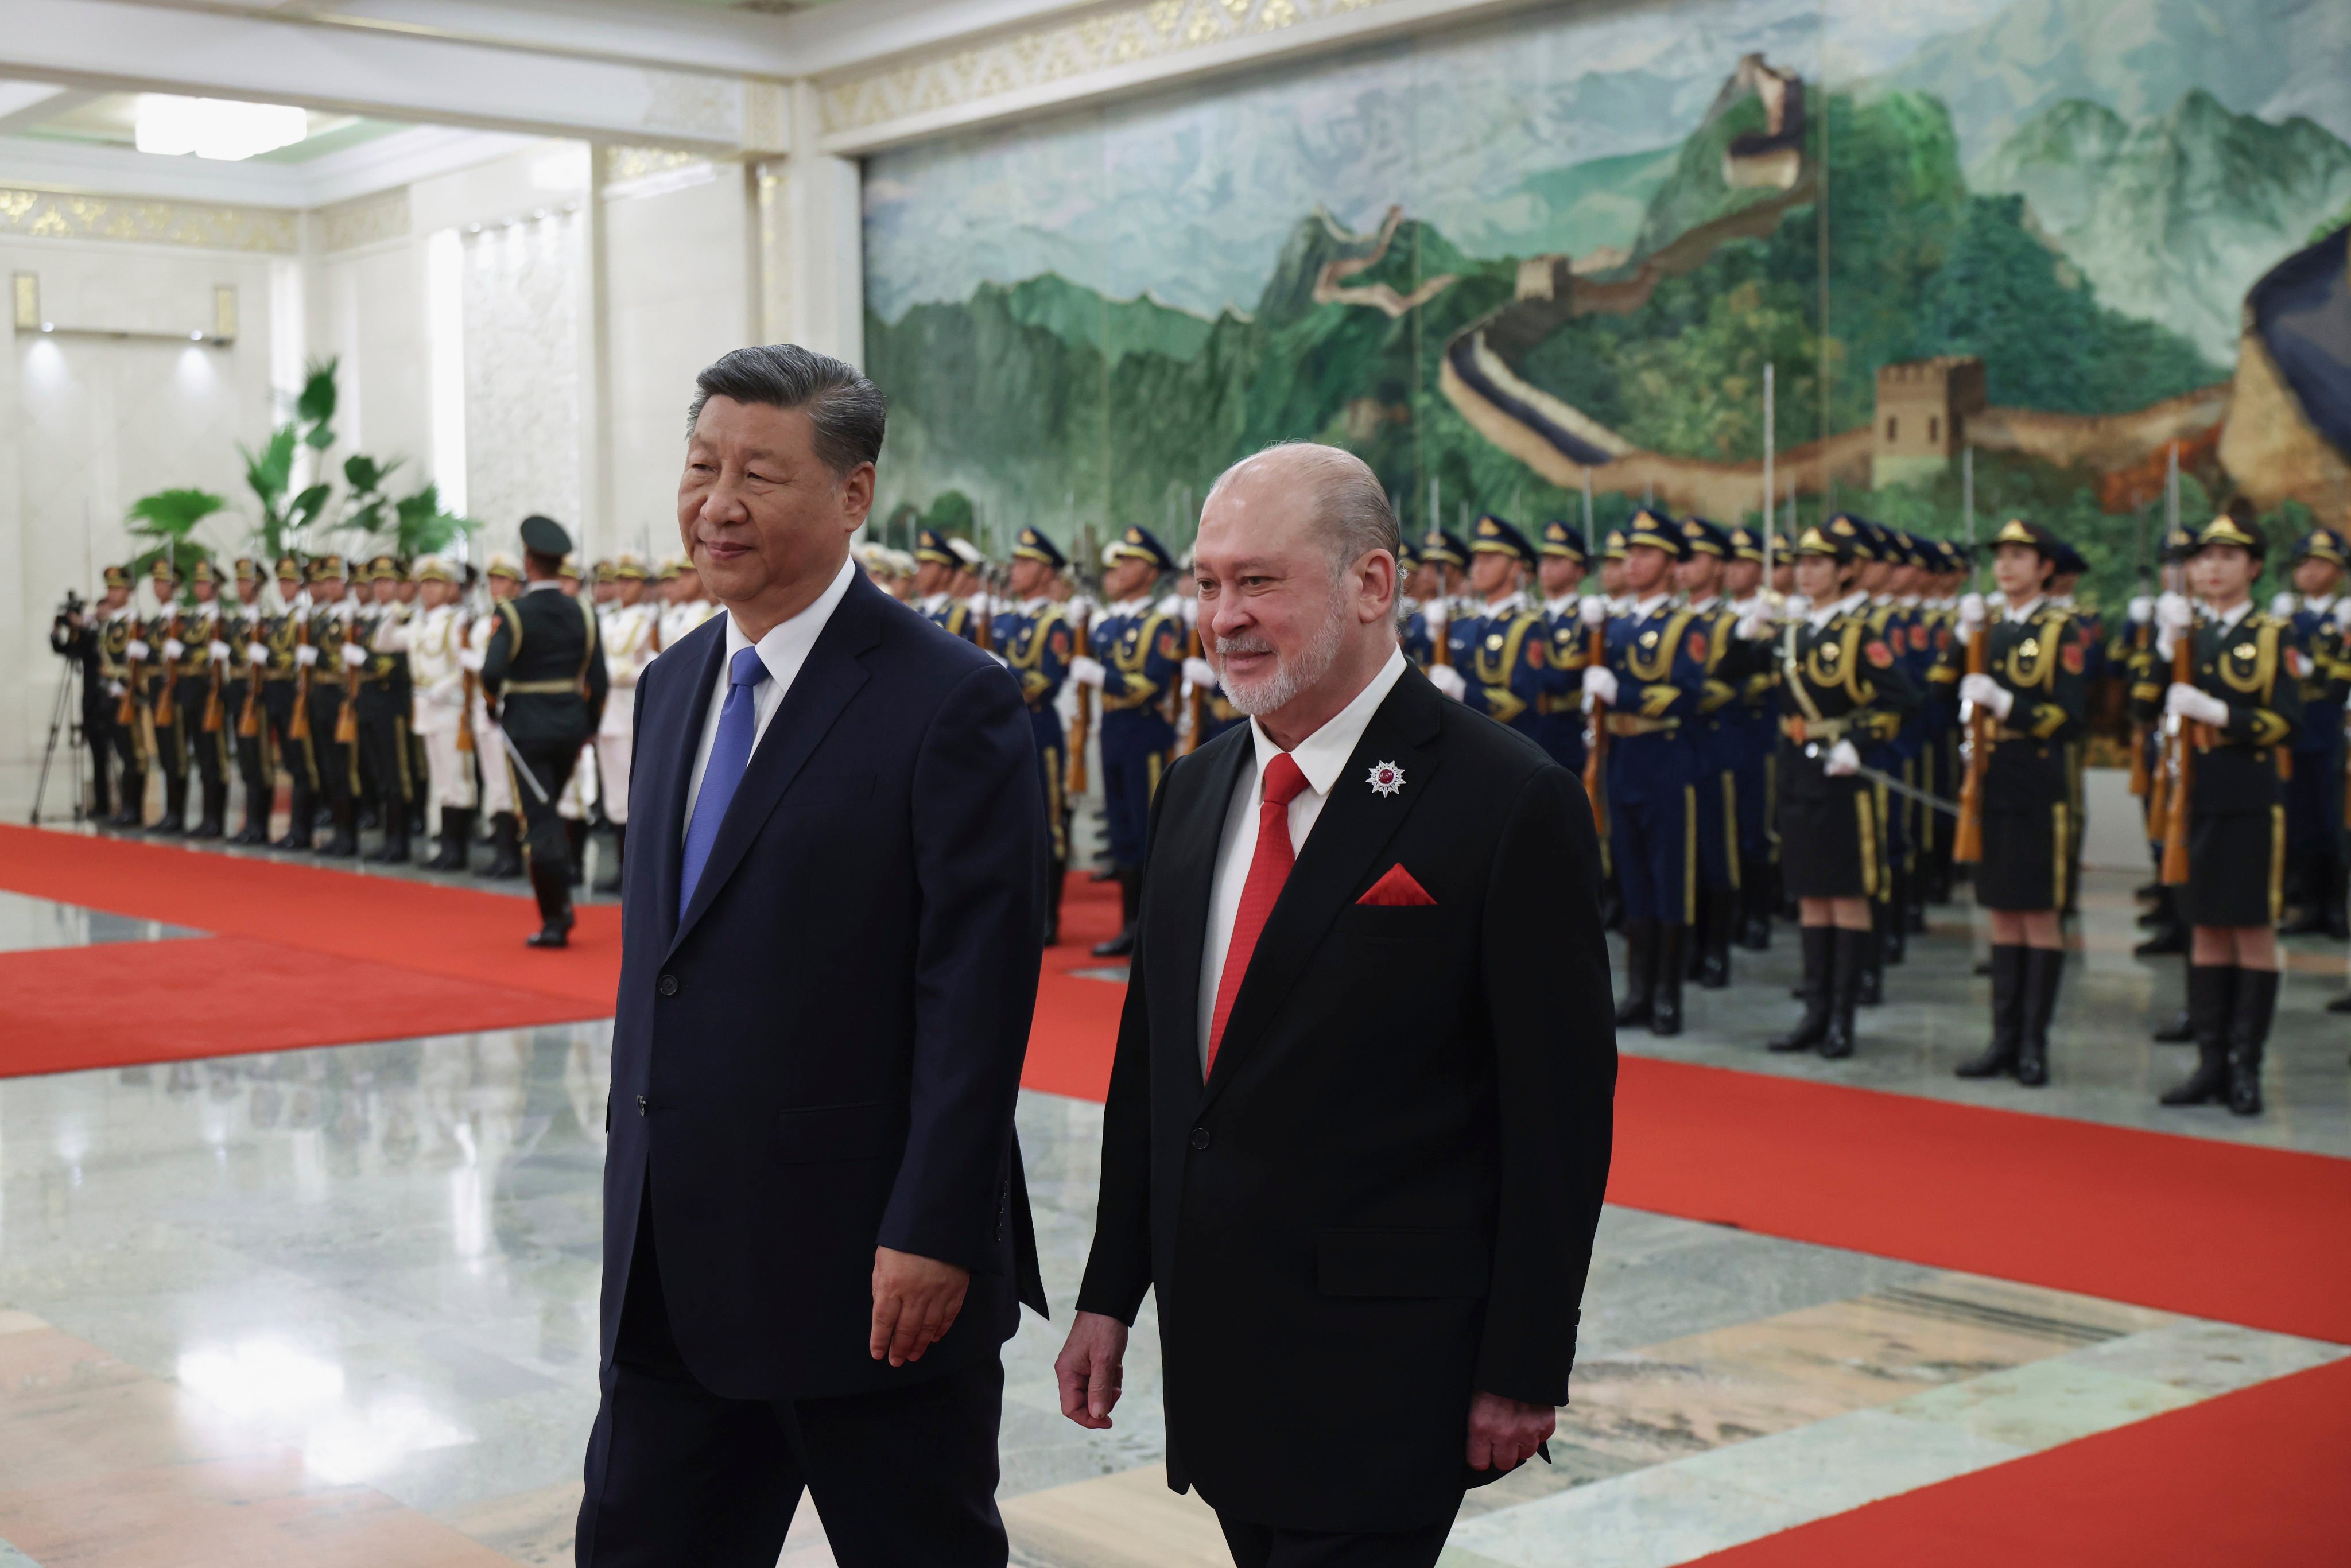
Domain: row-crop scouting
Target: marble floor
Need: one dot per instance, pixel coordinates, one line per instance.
(337, 1306)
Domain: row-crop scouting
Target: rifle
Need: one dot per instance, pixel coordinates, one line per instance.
(2182, 769)
(1967, 840)
(1081, 723)
(126, 712)
(214, 716)
(347, 720)
(1595, 760)
(1198, 701)
(248, 723)
(1440, 635)
(298, 726)
(166, 696)
(2141, 779)
(461, 635)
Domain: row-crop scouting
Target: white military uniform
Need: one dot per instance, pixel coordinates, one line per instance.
(677, 620)
(497, 785)
(629, 633)
(433, 640)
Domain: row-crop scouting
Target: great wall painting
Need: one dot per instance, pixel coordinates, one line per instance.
(1501, 264)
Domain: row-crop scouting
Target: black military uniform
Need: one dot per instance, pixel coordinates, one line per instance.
(285, 701)
(2030, 830)
(2250, 664)
(117, 634)
(330, 699)
(244, 629)
(158, 691)
(382, 710)
(543, 675)
(199, 691)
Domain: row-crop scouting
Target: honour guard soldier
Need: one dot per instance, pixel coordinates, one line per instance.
(936, 568)
(1411, 626)
(1650, 685)
(1940, 775)
(2024, 676)
(383, 707)
(433, 641)
(543, 675)
(116, 633)
(1443, 559)
(970, 590)
(631, 633)
(199, 689)
(2231, 723)
(2148, 679)
(1715, 738)
(1558, 727)
(1135, 659)
(243, 628)
(501, 579)
(1034, 638)
(1838, 680)
(2314, 796)
(158, 690)
(1499, 646)
(1753, 721)
(334, 655)
(285, 698)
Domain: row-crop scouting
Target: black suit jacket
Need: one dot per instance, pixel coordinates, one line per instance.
(1383, 1198)
(823, 1054)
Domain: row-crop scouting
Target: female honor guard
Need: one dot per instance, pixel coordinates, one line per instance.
(2231, 722)
(2025, 679)
(1838, 684)
(1560, 728)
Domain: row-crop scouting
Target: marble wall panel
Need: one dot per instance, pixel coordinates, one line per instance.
(522, 297)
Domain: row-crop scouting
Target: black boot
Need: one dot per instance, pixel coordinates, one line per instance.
(2341, 1004)
(394, 851)
(457, 835)
(1714, 961)
(2008, 990)
(1694, 949)
(345, 843)
(506, 848)
(1893, 942)
(2211, 998)
(1820, 946)
(611, 882)
(2249, 1034)
(2168, 935)
(173, 822)
(2179, 1031)
(215, 820)
(1640, 973)
(1666, 1001)
(1851, 953)
(1755, 897)
(257, 816)
(553, 886)
(2044, 971)
(300, 813)
(1130, 899)
(1869, 981)
(575, 836)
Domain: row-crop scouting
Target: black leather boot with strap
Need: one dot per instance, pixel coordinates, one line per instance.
(2008, 963)
(2212, 998)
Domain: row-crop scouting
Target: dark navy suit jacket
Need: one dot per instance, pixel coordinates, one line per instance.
(822, 1054)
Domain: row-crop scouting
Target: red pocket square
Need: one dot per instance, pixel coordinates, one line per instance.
(1396, 888)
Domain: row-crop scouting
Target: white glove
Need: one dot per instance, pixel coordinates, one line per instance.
(1798, 607)
(2283, 606)
(172, 649)
(2191, 702)
(135, 649)
(1753, 627)
(1844, 760)
(1201, 673)
(471, 659)
(1448, 680)
(217, 652)
(2142, 609)
(1433, 615)
(1599, 684)
(114, 688)
(2343, 614)
(1087, 672)
(354, 655)
(2174, 613)
(1987, 693)
(1592, 611)
(1971, 613)
(306, 655)
(256, 654)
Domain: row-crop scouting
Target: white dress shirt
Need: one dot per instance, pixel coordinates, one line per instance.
(783, 649)
(1320, 757)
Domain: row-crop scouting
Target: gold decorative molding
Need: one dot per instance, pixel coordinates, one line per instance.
(363, 220)
(766, 117)
(62, 215)
(1047, 57)
(623, 164)
(706, 107)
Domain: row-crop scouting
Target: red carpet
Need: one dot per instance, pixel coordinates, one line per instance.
(2251, 1480)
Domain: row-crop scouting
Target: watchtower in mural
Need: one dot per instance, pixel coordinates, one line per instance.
(1923, 409)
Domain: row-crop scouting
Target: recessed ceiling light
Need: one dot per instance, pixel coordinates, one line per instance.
(216, 128)
(48, 326)
(195, 336)
(472, 228)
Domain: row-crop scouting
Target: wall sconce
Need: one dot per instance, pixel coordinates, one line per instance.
(220, 332)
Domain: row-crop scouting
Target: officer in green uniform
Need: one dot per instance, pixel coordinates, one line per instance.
(245, 630)
(383, 708)
(544, 679)
(200, 693)
(331, 653)
(158, 695)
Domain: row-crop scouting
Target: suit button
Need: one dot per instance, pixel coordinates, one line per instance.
(667, 986)
(1200, 1139)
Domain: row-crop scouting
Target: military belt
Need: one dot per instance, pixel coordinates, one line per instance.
(1633, 724)
(1558, 703)
(1803, 730)
(539, 689)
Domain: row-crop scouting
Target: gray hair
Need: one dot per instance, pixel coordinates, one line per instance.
(848, 412)
(1355, 510)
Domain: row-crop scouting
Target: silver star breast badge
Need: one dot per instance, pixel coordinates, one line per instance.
(1386, 778)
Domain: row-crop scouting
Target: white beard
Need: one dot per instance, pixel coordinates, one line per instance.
(1270, 694)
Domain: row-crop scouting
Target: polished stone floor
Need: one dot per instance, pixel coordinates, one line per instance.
(337, 1306)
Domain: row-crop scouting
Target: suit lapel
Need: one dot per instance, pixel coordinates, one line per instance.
(1184, 865)
(675, 733)
(1357, 823)
(822, 689)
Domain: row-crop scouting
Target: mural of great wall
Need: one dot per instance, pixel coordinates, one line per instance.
(2076, 282)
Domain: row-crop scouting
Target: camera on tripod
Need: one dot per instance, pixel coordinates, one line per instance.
(69, 608)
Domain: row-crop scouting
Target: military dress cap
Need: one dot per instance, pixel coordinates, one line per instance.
(1564, 540)
(902, 562)
(1491, 535)
(117, 577)
(2070, 561)
(630, 567)
(503, 566)
(327, 566)
(387, 567)
(290, 566)
(164, 570)
(1859, 535)
(202, 571)
(2179, 544)
(1441, 548)
(2323, 544)
(930, 545)
(1031, 544)
(1839, 537)
(2225, 529)
(545, 536)
(670, 568)
(1614, 546)
(1746, 544)
(247, 570)
(1138, 544)
(1701, 536)
(568, 568)
(2019, 531)
(966, 553)
(435, 569)
(1654, 529)
(602, 571)
(1407, 555)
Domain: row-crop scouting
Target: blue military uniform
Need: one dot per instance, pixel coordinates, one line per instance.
(2313, 795)
(1140, 647)
(1659, 659)
(1499, 649)
(1558, 727)
(1717, 734)
(1752, 735)
(944, 610)
(1443, 551)
(1036, 641)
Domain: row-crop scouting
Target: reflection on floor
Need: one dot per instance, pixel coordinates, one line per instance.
(338, 1306)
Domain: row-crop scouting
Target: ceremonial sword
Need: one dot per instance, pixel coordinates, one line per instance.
(1863, 770)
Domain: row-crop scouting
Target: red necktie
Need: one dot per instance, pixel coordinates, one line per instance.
(1269, 869)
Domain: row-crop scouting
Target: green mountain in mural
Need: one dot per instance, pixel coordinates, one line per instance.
(1588, 206)
(2222, 196)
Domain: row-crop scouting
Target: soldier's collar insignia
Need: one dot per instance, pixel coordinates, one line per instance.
(1385, 779)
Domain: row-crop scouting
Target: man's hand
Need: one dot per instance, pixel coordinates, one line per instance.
(1090, 1368)
(915, 1301)
(1503, 1433)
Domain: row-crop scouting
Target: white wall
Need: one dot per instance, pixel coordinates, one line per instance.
(366, 311)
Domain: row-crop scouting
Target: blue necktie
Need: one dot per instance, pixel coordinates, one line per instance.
(729, 755)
